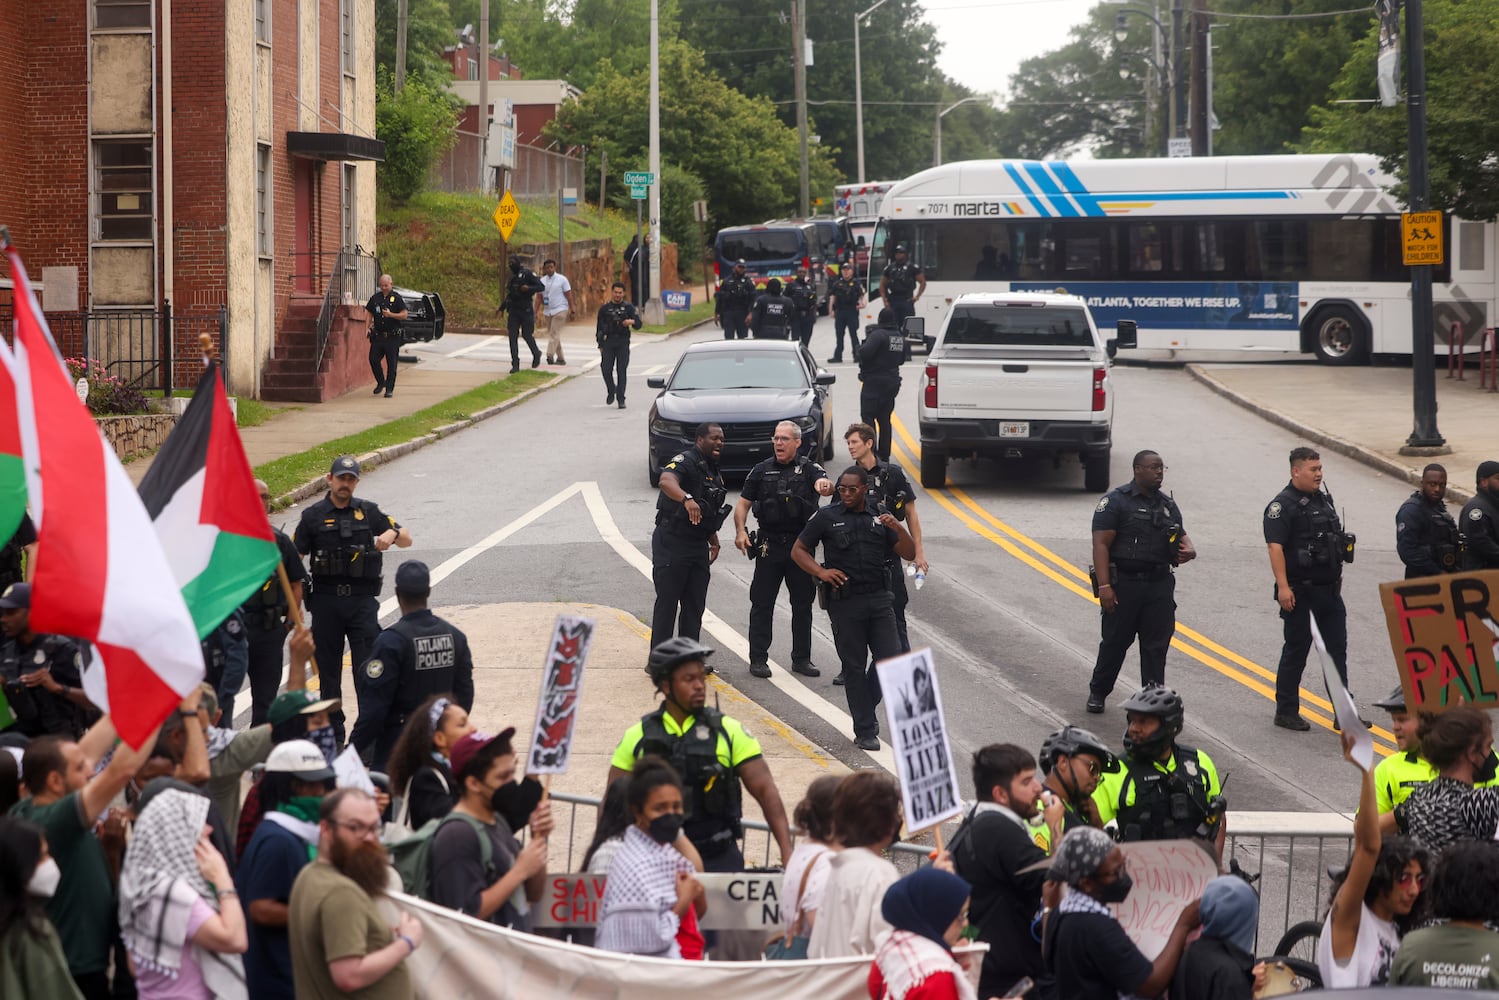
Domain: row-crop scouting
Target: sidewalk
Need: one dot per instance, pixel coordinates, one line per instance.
(1365, 413)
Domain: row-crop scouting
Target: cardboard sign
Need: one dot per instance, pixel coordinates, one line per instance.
(918, 735)
(561, 689)
(1168, 874)
(1442, 631)
(738, 901)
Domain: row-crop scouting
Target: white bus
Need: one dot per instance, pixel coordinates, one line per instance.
(1228, 253)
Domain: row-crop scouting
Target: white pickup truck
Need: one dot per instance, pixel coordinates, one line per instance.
(1019, 373)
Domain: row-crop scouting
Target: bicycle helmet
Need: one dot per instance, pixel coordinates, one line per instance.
(1394, 701)
(1071, 740)
(1166, 705)
(671, 654)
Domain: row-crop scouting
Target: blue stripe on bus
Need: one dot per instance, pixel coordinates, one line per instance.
(1025, 189)
(1076, 188)
(1052, 190)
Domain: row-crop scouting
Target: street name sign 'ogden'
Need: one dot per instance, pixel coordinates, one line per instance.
(923, 759)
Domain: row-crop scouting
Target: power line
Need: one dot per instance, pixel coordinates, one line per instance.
(1289, 17)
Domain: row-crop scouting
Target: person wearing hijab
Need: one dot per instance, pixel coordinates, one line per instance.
(32, 964)
(1220, 965)
(180, 917)
(927, 911)
(1084, 946)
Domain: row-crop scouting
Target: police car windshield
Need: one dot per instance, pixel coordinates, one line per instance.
(1019, 326)
(749, 370)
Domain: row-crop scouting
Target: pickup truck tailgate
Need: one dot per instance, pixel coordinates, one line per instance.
(988, 390)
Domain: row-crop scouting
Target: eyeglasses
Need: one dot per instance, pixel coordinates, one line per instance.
(782, 437)
(359, 829)
(849, 489)
(1092, 766)
(1406, 878)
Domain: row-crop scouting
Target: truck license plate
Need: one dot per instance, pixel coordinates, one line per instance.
(1014, 429)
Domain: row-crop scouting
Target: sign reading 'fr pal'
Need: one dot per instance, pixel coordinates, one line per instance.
(1443, 630)
(561, 690)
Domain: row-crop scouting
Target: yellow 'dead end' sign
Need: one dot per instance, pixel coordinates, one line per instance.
(507, 215)
(1421, 238)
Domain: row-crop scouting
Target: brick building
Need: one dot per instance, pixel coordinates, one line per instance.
(204, 154)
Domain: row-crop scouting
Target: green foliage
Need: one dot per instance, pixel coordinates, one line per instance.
(108, 396)
(569, 39)
(429, 30)
(417, 126)
(679, 189)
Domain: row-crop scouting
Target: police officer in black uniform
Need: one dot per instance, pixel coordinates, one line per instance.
(42, 674)
(1137, 538)
(773, 316)
(804, 297)
(267, 620)
(1307, 550)
(689, 511)
(889, 489)
(612, 332)
(846, 292)
(1426, 537)
(731, 306)
(1479, 521)
(855, 584)
(520, 302)
(901, 285)
(17, 552)
(344, 538)
(782, 491)
(385, 309)
(880, 356)
(419, 656)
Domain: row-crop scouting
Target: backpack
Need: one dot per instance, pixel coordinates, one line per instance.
(412, 857)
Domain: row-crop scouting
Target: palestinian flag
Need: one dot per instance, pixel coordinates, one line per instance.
(103, 577)
(12, 468)
(201, 496)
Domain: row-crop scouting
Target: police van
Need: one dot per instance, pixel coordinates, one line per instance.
(772, 250)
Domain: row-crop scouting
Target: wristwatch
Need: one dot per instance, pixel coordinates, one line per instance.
(686, 497)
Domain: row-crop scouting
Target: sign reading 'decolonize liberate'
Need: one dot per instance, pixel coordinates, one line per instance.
(1443, 631)
(918, 734)
(1183, 305)
(561, 690)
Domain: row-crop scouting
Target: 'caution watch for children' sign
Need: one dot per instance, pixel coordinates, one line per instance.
(1421, 238)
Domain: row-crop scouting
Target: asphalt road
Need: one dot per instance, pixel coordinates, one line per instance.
(1004, 608)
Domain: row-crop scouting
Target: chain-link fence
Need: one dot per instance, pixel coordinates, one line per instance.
(537, 172)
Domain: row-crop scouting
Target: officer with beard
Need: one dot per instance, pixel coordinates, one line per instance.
(1479, 521)
(1426, 537)
(520, 298)
(689, 511)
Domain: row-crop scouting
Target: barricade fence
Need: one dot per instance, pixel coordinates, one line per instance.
(536, 172)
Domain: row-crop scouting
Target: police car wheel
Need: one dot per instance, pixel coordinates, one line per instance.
(652, 470)
(933, 468)
(827, 443)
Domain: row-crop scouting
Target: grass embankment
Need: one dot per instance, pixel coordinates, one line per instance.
(247, 412)
(700, 311)
(285, 474)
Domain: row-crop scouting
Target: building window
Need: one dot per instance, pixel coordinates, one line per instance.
(263, 200)
(346, 35)
(122, 13)
(123, 167)
(473, 69)
(350, 207)
(263, 21)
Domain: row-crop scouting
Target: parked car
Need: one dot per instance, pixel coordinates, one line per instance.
(747, 387)
(425, 315)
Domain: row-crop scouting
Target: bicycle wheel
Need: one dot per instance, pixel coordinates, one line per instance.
(1300, 942)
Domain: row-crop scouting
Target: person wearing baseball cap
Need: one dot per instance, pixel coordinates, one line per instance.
(1479, 522)
(1402, 772)
(419, 656)
(344, 539)
(731, 306)
(42, 673)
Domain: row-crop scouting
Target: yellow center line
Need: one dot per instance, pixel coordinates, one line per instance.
(1010, 540)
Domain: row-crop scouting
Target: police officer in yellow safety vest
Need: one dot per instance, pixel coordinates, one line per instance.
(711, 751)
(1161, 789)
(1402, 772)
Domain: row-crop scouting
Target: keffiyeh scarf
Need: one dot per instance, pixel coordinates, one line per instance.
(907, 960)
(639, 895)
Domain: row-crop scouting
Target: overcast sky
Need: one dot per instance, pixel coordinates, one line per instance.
(985, 41)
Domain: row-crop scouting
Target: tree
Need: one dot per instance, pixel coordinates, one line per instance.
(429, 29)
(417, 126)
(568, 39)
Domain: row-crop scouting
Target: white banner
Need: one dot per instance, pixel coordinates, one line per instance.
(1168, 874)
(737, 901)
(561, 691)
(918, 735)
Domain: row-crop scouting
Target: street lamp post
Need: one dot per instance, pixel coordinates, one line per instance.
(1165, 70)
(937, 129)
(1424, 439)
(859, 87)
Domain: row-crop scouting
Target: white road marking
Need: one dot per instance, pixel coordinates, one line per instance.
(477, 345)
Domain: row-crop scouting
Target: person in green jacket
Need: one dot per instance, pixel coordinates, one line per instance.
(32, 964)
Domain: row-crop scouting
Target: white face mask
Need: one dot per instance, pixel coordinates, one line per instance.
(45, 879)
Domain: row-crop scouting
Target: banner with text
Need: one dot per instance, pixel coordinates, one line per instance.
(1442, 631)
(1184, 305)
(738, 901)
(918, 735)
(561, 689)
(1168, 874)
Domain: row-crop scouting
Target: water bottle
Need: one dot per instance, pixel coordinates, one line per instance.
(920, 578)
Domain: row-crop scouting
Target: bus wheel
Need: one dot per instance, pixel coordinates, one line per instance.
(1340, 337)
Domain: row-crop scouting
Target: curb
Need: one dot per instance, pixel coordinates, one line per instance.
(377, 458)
(1357, 452)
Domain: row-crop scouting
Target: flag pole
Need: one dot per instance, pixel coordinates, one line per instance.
(291, 599)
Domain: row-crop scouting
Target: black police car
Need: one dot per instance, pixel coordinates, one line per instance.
(425, 315)
(747, 387)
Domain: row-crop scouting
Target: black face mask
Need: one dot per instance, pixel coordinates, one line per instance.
(1485, 773)
(515, 267)
(1116, 891)
(664, 828)
(515, 801)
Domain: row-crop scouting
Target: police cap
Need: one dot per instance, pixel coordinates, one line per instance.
(344, 465)
(900, 248)
(1394, 701)
(413, 577)
(17, 595)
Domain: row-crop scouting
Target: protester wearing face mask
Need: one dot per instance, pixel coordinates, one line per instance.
(927, 912)
(1459, 743)
(1085, 948)
(32, 964)
(419, 766)
(651, 885)
(497, 807)
(294, 715)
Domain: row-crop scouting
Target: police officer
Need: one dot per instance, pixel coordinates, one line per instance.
(226, 659)
(731, 306)
(890, 489)
(1426, 537)
(782, 491)
(1307, 547)
(689, 511)
(385, 310)
(847, 294)
(1404, 771)
(1137, 538)
(520, 298)
(1479, 521)
(17, 553)
(804, 298)
(1161, 789)
(42, 674)
(773, 316)
(612, 331)
(419, 656)
(855, 583)
(711, 751)
(901, 285)
(267, 620)
(344, 538)
(880, 356)
(1073, 761)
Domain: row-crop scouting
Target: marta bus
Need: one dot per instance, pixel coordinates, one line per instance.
(1227, 253)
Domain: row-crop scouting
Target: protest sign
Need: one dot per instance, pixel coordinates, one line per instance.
(1168, 874)
(350, 772)
(1442, 631)
(561, 688)
(1344, 709)
(737, 901)
(923, 759)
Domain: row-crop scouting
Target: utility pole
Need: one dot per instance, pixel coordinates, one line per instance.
(1199, 102)
(1178, 72)
(483, 173)
(603, 174)
(799, 72)
(653, 310)
(1425, 439)
(401, 19)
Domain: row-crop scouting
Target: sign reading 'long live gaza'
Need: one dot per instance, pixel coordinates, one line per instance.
(1442, 631)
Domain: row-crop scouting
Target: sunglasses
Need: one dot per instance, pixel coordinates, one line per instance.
(1406, 878)
(849, 489)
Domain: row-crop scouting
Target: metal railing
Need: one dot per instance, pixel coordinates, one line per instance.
(536, 172)
(352, 277)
